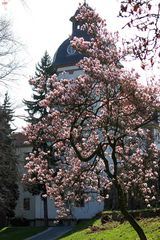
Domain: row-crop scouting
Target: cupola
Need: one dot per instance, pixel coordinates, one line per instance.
(66, 55)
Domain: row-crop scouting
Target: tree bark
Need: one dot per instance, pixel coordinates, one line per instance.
(129, 217)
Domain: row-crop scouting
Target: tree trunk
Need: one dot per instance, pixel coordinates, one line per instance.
(129, 217)
(45, 208)
(3, 218)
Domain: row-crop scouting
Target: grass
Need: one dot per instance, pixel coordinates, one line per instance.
(114, 231)
(19, 233)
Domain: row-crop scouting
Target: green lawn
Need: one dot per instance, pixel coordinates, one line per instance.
(114, 231)
(19, 233)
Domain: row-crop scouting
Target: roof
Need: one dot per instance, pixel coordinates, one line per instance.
(66, 55)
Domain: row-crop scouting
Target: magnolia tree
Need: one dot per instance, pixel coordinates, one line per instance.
(143, 17)
(99, 126)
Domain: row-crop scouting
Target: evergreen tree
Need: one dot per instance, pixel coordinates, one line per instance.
(8, 167)
(36, 113)
(45, 68)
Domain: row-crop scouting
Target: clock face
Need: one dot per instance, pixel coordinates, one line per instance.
(70, 50)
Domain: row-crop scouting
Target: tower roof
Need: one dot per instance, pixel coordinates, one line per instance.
(65, 54)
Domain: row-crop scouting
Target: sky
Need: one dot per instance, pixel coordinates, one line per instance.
(43, 25)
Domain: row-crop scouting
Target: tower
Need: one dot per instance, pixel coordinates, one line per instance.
(66, 57)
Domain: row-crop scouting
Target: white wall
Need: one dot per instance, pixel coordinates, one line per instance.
(39, 210)
(64, 72)
(89, 210)
(19, 210)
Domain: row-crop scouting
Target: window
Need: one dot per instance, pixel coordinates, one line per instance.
(26, 203)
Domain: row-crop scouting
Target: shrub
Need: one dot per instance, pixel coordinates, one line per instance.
(18, 221)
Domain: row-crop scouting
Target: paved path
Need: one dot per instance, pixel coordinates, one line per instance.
(52, 233)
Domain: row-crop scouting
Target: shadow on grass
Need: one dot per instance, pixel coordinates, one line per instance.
(81, 225)
(19, 233)
(114, 230)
